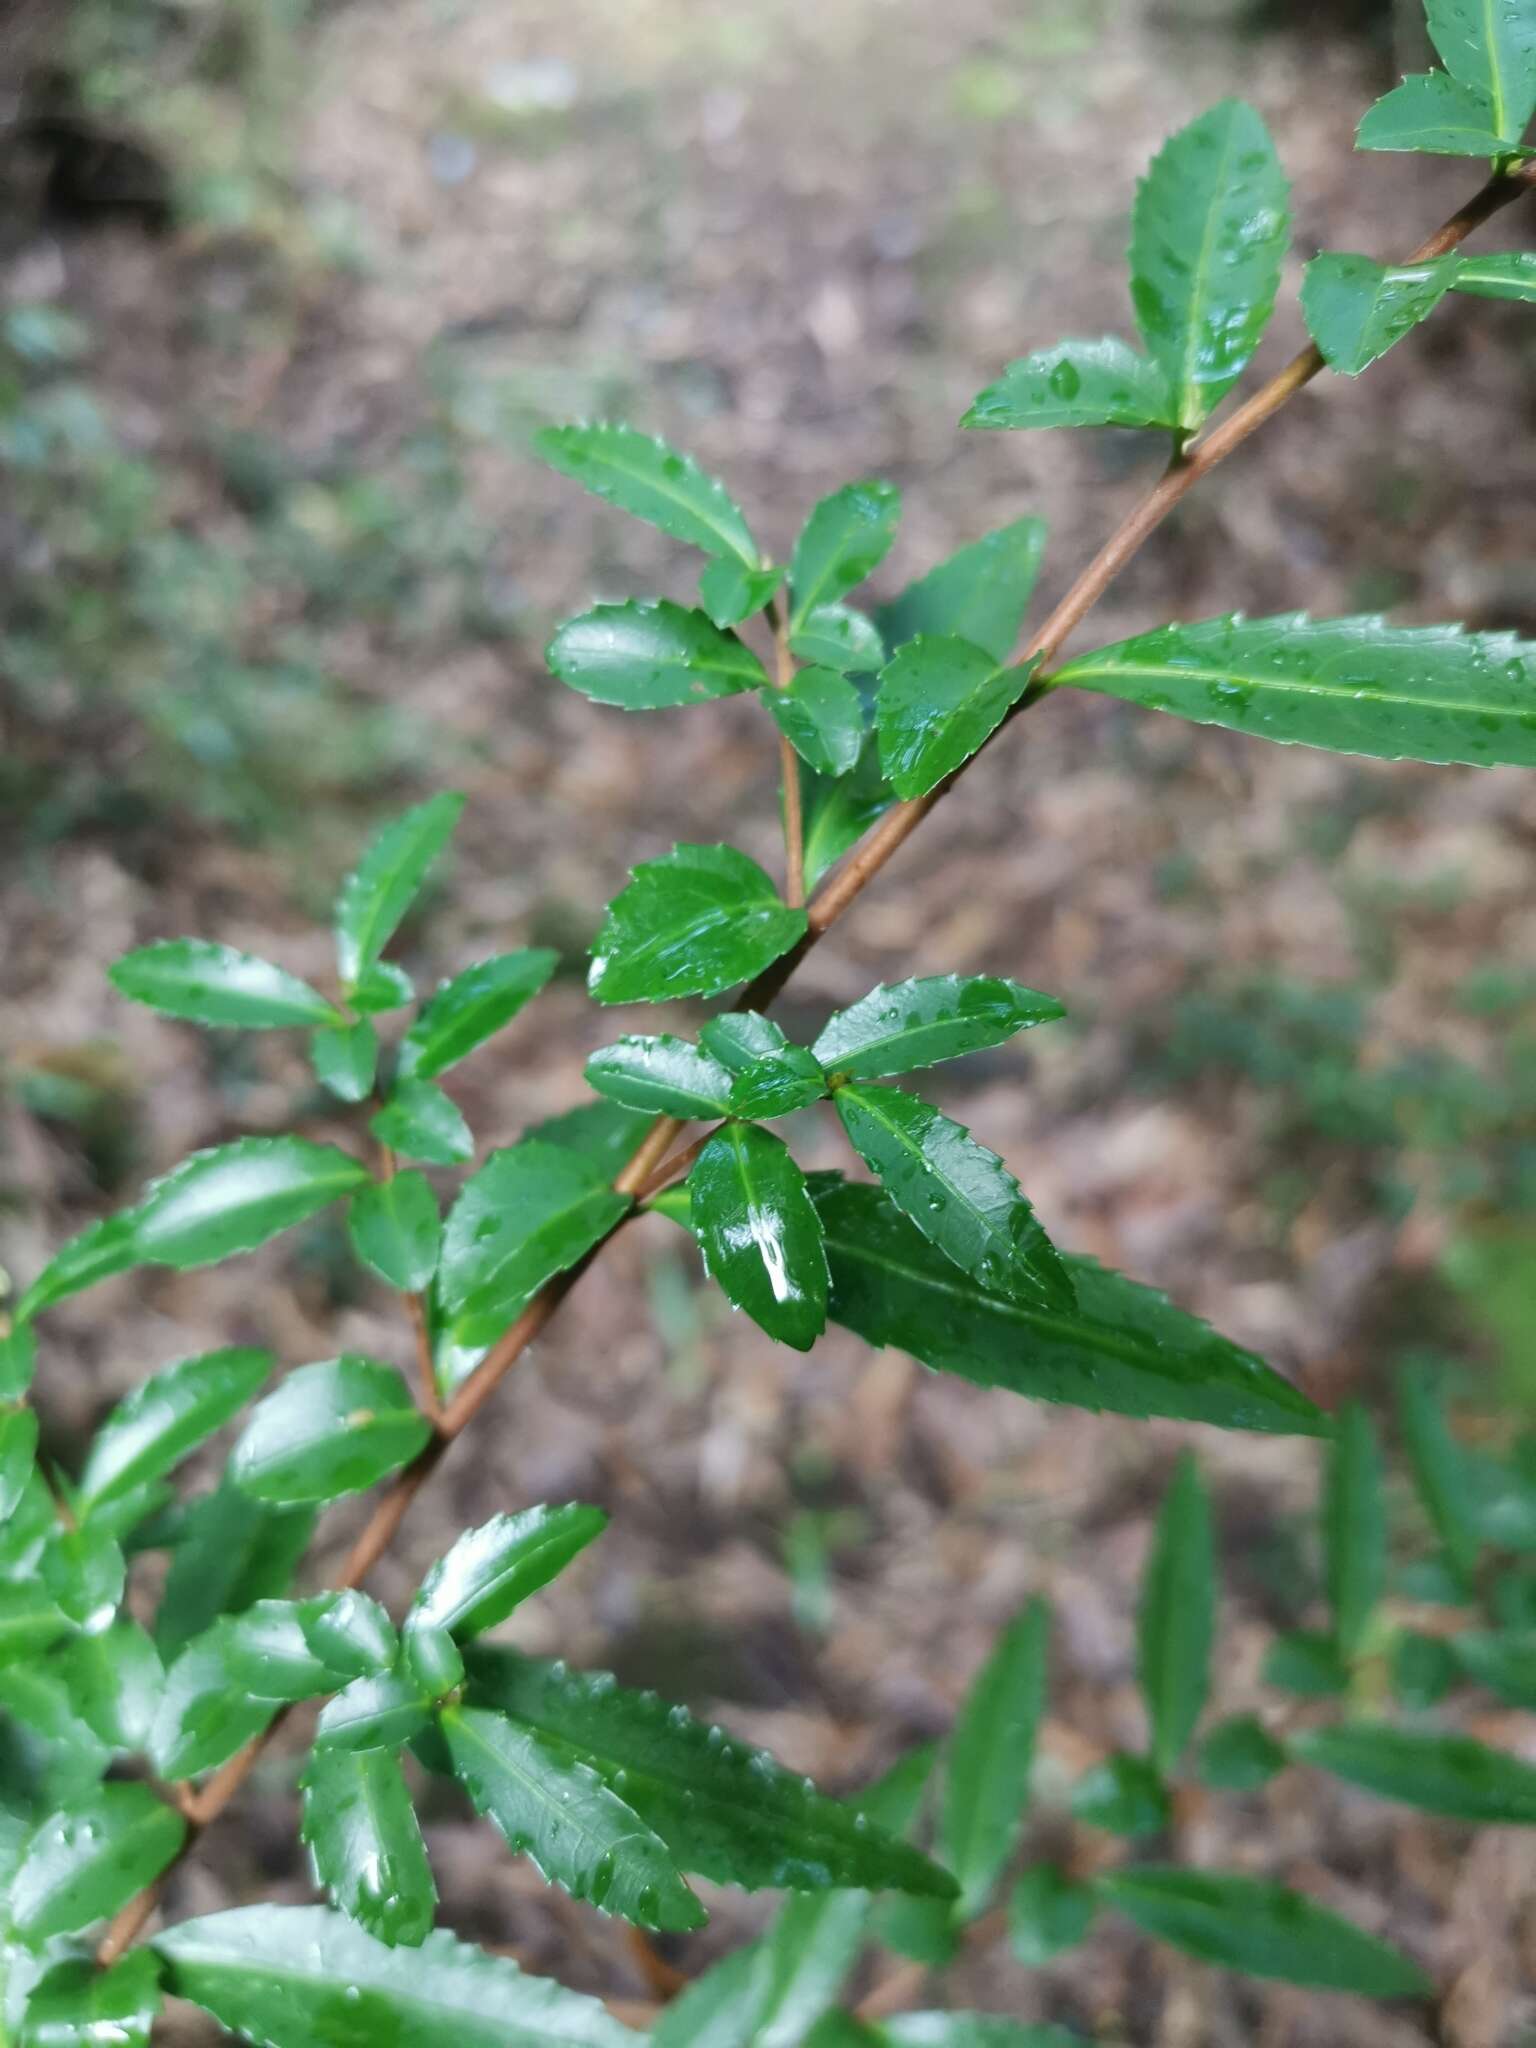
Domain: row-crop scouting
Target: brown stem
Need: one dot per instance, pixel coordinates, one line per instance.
(789, 770)
(866, 862)
(416, 1314)
(674, 1168)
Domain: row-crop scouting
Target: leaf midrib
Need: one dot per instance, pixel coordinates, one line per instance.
(1298, 686)
(664, 490)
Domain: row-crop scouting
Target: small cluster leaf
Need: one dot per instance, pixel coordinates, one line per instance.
(75, 2005)
(164, 1418)
(531, 1211)
(821, 714)
(1239, 1755)
(912, 1024)
(940, 699)
(732, 592)
(845, 539)
(469, 1009)
(653, 481)
(1482, 103)
(1356, 309)
(982, 590)
(770, 1076)
(90, 1858)
(490, 1570)
(384, 884)
(327, 1430)
(669, 1076)
(696, 922)
(213, 984)
(840, 638)
(424, 1123)
(365, 1845)
(345, 1058)
(1124, 1795)
(760, 1232)
(1048, 1913)
(396, 1230)
(649, 657)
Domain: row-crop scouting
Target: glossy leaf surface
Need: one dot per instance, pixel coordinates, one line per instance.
(530, 1212)
(166, 1417)
(326, 1430)
(1102, 383)
(1360, 686)
(424, 1123)
(839, 810)
(1489, 46)
(1354, 1528)
(83, 1568)
(822, 716)
(491, 1569)
(18, 1446)
(982, 591)
(911, 1024)
(472, 1007)
(365, 1845)
(202, 1718)
(651, 657)
(940, 698)
(381, 1711)
(1124, 1348)
(1262, 1929)
(212, 984)
(603, 1132)
(845, 539)
(396, 1230)
(90, 1858)
(642, 475)
(345, 1059)
(695, 922)
(382, 986)
(760, 1232)
(308, 1978)
(1430, 112)
(1511, 276)
(770, 1076)
(103, 1248)
(30, 1619)
(1357, 309)
(232, 1198)
(75, 2005)
(231, 1551)
(386, 881)
(968, 2030)
(837, 637)
(1450, 1774)
(666, 1075)
(991, 1755)
(730, 592)
(960, 1195)
(1176, 1620)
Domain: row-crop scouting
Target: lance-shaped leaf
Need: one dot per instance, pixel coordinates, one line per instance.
(1102, 383)
(960, 1195)
(919, 1023)
(649, 657)
(213, 984)
(845, 539)
(382, 1711)
(821, 714)
(1262, 1929)
(1208, 238)
(385, 882)
(981, 591)
(471, 1008)
(1306, 1661)
(837, 637)
(731, 592)
(345, 1060)
(103, 1248)
(641, 474)
(1430, 112)
(365, 1845)
(838, 810)
(423, 1123)
(90, 1858)
(1489, 46)
(531, 1211)
(326, 1430)
(770, 1076)
(493, 1568)
(801, 1964)
(1358, 685)
(230, 1551)
(1354, 1528)
(155, 1426)
(1509, 276)
(1048, 1913)
(77, 2005)
(1450, 1774)
(695, 922)
(311, 1979)
(115, 1679)
(234, 1197)
(724, 1809)
(1124, 1348)
(940, 698)
(84, 1569)
(1356, 309)
(202, 1716)
(990, 1758)
(760, 1233)
(1176, 1620)
(558, 1811)
(396, 1230)
(665, 1075)
(1441, 1474)
(18, 1448)
(1239, 1755)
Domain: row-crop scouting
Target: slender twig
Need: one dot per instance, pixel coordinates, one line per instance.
(847, 885)
(675, 1167)
(416, 1314)
(789, 767)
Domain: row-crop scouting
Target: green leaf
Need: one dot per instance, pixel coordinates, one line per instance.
(1306, 1661)
(1511, 276)
(30, 1619)
(18, 1359)
(919, 1023)
(213, 984)
(328, 1429)
(381, 1711)
(724, 1809)
(202, 1717)
(960, 1195)
(982, 591)
(351, 1632)
(650, 657)
(603, 1132)
(1354, 1528)
(940, 699)
(801, 1964)
(1239, 1755)
(821, 714)
(1441, 1475)
(492, 1569)
(18, 1448)
(1208, 238)
(1176, 1621)
(839, 810)
(296, 1649)
(384, 884)
(103, 1248)
(345, 1059)
(968, 2030)
(769, 1075)
(1103, 383)
(1356, 309)
(1263, 1929)
(83, 1569)
(24, 1530)
(90, 1858)
(642, 475)
(422, 1122)
(310, 1979)
(990, 1757)
(115, 1679)
(66, 1761)
(558, 1811)
(231, 1551)
(845, 539)
(1450, 1774)
(531, 1211)
(1430, 112)
(1125, 1348)
(396, 1230)
(837, 637)
(730, 592)
(1504, 1662)
(1360, 685)
(365, 1846)
(434, 1660)
(164, 1418)
(470, 1008)
(1489, 46)
(1048, 1913)
(1123, 1795)
(760, 1233)
(232, 1198)
(695, 922)
(665, 1075)
(383, 986)
(77, 2005)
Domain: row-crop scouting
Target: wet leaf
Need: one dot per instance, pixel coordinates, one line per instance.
(345, 1059)
(967, 2030)
(981, 591)
(166, 1417)
(422, 1122)
(531, 1211)
(382, 986)
(940, 699)
(845, 539)
(769, 1075)
(1102, 383)
(230, 1552)
(666, 1075)
(1489, 46)
(991, 1756)
(822, 716)
(651, 657)
(604, 1132)
(103, 1248)
(326, 1430)
(1430, 112)
(90, 1858)
(731, 592)
(1510, 276)
(642, 475)
(365, 1845)
(760, 1233)
(386, 881)
(211, 984)
(84, 1570)
(1176, 1620)
(77, 2005)
(469, 1009)
(837, 637)
(919, 1023)
(695, 922)
(838, 810)
(30, 1619)
(490, 1570)
(115, 1679)
(202, 1717)
(381, 1711)
(18, 1449)
(18, 1359)
(234, 1197)
(396, 1230)
(1356, 309)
